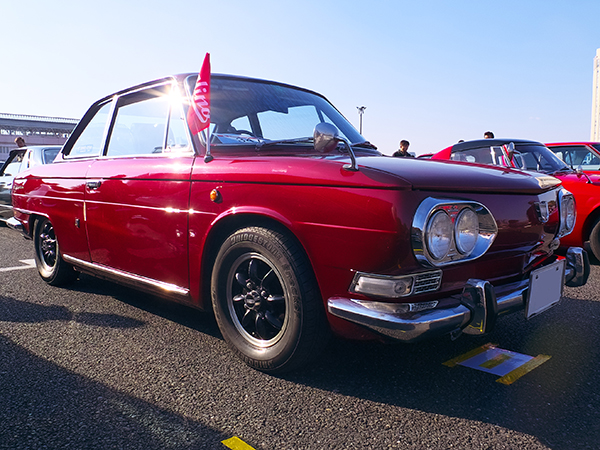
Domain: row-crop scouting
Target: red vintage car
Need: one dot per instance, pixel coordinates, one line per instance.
(535, 156)
(289, 225)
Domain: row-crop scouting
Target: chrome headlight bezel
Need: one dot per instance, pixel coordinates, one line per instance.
(568, 212)
(458, 250)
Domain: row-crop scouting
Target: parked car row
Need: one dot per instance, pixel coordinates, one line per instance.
(576, 165)
(292, 226)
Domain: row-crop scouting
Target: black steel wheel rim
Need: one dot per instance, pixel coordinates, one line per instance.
(257, 300)
(47, 247)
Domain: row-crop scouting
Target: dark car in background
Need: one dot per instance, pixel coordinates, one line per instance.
(293, 226)
(535, 156)
(18, 160)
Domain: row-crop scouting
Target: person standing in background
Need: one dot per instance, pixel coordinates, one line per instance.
(402, 152)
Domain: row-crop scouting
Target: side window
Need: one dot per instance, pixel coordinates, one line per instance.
(578, 156)
(140, 124)
(484, 155)
(49, 155)
(90, 141)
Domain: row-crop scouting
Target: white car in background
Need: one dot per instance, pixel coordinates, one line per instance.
(18, 160)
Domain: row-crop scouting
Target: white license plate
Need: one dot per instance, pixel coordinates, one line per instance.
(545, 288)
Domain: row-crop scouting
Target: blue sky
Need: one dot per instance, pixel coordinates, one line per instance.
(431, 72)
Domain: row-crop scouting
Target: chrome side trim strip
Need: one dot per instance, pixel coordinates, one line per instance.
(129, 278)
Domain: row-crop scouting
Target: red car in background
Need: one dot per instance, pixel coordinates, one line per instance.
(535, 156)
(292, 226)
(583, 156)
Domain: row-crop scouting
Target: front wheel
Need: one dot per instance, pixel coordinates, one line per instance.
(595, 240)
(48, 259)
(266, 300)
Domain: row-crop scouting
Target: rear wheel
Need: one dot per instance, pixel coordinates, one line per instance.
(48, 259)
(595, 240)
(266, 301)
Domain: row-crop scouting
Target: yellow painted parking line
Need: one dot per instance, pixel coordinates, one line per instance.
(235, 443)
(495, 361)
(513, 376)
(476, 351)
(510, 366)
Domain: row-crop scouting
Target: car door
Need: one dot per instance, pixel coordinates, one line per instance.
(137, 194)
(11, 167)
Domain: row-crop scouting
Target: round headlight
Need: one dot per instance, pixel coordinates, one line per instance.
(467, 231)
(568, 213)
(439, 235)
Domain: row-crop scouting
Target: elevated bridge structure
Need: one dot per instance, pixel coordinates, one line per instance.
(36, 130)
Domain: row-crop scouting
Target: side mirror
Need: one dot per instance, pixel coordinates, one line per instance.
(580, 173)
(508, 151)
(326, 138)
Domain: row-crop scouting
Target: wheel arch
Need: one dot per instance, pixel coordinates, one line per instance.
(33, 218)
(589, 223)
(224, 227)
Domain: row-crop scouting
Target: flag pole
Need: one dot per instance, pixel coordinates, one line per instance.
(208, 157)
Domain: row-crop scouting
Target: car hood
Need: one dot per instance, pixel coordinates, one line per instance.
(458, 176)
(573, 177)
(379, 172)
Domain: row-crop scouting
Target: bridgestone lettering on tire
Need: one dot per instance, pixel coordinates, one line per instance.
(48, 259)
(266, 300)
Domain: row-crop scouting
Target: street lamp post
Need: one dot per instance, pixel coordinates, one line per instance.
(361, 111)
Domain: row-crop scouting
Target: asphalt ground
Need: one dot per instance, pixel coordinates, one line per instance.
(99, 366)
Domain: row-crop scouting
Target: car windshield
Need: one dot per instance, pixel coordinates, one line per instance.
(249, 111)
(527, 156)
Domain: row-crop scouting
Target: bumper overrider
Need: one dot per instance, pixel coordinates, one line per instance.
(480, 305)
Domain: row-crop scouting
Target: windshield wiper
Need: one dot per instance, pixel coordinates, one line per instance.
(303, 140)
(365, 144)
(565, 170)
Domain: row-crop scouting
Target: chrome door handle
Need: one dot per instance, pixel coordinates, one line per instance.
(93, 184)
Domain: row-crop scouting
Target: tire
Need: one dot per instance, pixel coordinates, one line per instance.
(595, 240)
(51, 267)
(266, 301)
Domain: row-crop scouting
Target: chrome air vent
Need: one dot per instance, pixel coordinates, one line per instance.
(427, 282)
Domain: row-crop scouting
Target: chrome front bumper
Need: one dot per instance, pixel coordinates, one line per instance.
(481, 304)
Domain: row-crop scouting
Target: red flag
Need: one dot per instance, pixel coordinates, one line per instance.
(199, 112)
